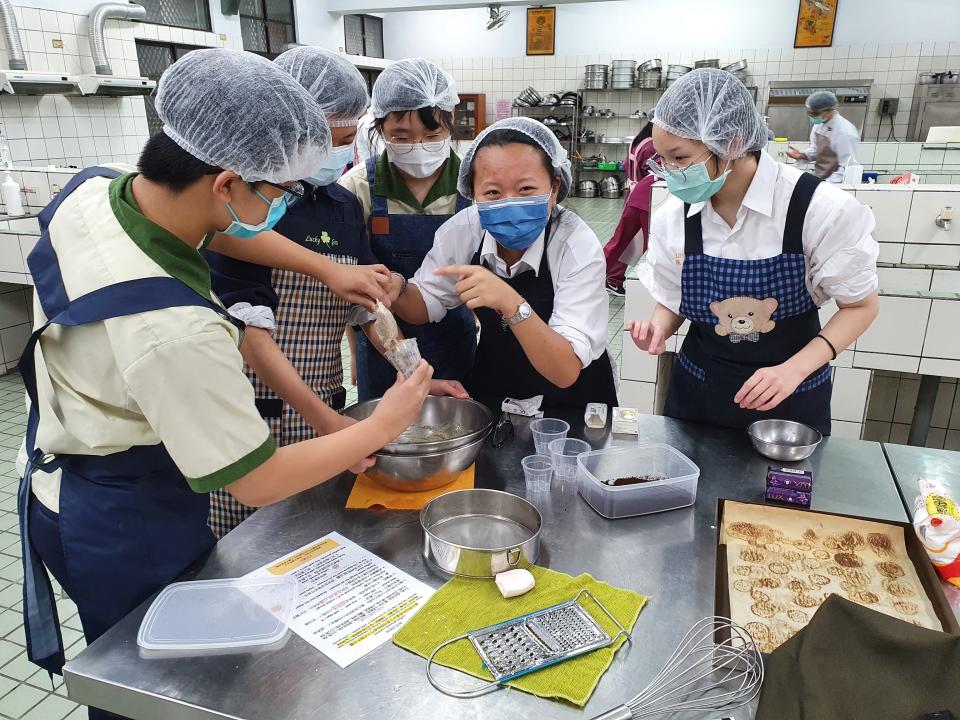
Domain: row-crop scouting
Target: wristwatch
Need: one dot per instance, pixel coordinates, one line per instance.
(524, 311)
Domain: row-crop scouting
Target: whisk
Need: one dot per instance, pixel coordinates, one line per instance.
(702, 674)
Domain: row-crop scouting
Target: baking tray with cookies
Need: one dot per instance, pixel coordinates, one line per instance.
(776, 565)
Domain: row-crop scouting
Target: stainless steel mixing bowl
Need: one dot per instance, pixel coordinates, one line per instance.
(414, 466)
(784, 439)
(475, 420)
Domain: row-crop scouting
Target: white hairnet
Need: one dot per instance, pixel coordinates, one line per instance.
(536, 131)
(822, 100)
(240, 112)
(714, 107)
(410, 85)
(335, 83)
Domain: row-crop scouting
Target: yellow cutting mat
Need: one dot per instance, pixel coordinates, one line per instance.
(369, 493)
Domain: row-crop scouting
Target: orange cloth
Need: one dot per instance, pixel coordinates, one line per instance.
(368, 493)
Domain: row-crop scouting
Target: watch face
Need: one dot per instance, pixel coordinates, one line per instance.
(524, 310)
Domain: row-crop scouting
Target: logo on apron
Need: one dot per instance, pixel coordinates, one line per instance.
(324, 238)
(744, 318)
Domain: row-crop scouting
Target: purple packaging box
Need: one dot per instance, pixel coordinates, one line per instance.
(790, 497)
(790, 479)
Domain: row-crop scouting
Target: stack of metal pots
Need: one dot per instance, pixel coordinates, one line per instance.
(623, 74)
(676, 71)
(595, 77)
(648, 74)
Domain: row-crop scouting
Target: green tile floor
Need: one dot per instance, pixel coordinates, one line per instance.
(26, 692)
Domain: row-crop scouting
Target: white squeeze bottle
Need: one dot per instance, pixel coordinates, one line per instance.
(10, 192)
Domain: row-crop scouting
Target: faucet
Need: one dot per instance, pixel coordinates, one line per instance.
(944, 218)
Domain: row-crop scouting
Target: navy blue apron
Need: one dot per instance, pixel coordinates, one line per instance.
(401, 242)
(128, 523)
(502, 368)
(745, 315)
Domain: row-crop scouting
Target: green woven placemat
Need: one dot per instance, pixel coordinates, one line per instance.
(463, 605)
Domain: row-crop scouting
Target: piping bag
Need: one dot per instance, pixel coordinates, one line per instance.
(404, 355)
(936, 520)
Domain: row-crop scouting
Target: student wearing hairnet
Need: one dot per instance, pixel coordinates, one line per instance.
(294, 323)
(407, 193)
(138, 405)
(834, 140)
(531, 271)
(747, 250)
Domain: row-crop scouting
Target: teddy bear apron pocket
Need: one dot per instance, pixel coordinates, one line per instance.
(745, 315)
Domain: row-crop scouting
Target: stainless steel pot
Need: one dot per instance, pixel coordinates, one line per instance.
(610, 188)
(929, 78)
(950, 78)
(473, 418)
(678, 69)
(737, 66)
(651, 65)
(711, 63)
(480, 533)
(587, 189)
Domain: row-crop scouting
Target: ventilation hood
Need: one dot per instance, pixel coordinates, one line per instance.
(30, 82)
(114, 86)
(104, 82)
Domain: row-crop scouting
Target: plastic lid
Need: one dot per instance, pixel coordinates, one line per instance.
(214, 614)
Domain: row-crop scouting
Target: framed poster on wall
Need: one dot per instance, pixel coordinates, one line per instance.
(541, 30)
(815, 22)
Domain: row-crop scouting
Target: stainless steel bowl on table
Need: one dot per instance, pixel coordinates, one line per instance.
(479, 533)
(784, 440)
(443, 441)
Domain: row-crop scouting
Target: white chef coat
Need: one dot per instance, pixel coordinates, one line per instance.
(841, 254)
(843, 137)
(580, 303)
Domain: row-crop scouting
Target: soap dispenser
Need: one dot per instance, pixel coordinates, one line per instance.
(10, 192)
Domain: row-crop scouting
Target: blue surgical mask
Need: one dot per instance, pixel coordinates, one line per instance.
(693, 184)
(815, 119)
(516, 222)
(245, 230)
(333, 166)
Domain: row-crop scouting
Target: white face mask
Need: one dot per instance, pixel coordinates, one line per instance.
(419, 160)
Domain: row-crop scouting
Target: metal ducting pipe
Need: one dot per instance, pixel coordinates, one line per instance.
(97, 19)
(11, 34)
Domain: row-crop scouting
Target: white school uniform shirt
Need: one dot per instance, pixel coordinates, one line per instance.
(841, 254)
(843, 137)
(580, 303)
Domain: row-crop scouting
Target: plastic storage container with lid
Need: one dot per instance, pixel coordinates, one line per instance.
(678, 488)
(217, 615)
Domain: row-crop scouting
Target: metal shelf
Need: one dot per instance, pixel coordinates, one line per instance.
(617, 90)
(615, 117)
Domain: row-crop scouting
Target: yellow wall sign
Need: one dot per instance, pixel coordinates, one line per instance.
(303, 557)
(815, 22)
(541, 30)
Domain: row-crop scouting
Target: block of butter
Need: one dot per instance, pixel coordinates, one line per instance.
(513, 583)
(626, 421)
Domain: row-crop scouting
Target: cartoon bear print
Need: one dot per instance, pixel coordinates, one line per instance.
(744, 318)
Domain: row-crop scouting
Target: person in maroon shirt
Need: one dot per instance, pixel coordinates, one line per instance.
(635, 219)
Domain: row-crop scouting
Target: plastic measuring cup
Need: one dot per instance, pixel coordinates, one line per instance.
(537, 471)
(545, 431)
(564, 453)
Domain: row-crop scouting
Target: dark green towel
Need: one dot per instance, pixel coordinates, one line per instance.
(853, 663)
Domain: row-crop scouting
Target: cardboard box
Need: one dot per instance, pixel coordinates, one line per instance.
(925, 571)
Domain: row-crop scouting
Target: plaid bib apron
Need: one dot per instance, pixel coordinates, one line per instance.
(745, 315)
(310, 323)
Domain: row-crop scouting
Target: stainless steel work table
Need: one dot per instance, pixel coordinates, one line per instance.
(669, 556)
(909, 463)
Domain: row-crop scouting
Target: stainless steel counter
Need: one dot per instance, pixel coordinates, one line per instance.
(669, 556)
(908, 463)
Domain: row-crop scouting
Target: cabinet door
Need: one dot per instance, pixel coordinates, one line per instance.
(891, 210)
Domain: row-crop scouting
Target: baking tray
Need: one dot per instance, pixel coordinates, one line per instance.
(921, 562)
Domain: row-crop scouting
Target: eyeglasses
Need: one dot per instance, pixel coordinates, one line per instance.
(662, 169)
(401, 147)
(502, 431)
(291, 193)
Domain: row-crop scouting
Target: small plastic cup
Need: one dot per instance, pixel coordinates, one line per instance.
(545, 431)
(564, 453)
(537, 471)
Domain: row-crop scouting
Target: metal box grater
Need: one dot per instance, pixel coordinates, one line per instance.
(531, 642)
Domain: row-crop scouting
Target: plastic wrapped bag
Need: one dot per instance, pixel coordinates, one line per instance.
(405, 356)
(936, 520)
